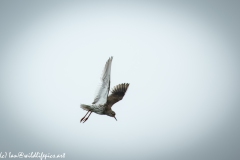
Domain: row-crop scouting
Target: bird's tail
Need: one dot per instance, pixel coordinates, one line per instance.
(85, 107)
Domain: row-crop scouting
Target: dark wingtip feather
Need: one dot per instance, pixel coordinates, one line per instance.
(118, 93)
(120, 89)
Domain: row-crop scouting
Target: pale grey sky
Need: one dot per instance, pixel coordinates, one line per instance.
(181, 60)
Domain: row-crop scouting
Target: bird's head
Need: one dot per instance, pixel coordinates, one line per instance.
(112, 114)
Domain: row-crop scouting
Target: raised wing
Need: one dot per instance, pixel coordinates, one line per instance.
(118, 93)
(102, 92)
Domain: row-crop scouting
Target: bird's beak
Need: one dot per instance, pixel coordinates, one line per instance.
(115, 118)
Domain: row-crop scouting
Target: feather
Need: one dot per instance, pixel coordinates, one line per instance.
(117, 94)
(102, 92)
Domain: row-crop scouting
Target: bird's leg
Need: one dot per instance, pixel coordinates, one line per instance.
(87, 117)
(84, 117)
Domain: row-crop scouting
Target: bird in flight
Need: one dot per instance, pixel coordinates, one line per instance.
(103, 103)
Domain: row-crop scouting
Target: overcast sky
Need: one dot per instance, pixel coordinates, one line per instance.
(181, 60)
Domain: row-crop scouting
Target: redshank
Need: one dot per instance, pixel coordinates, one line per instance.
(103, 102)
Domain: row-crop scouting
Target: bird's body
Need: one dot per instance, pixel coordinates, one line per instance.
(103, 103)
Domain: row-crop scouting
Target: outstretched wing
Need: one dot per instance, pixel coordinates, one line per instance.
(118, 93)
(102, 92)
